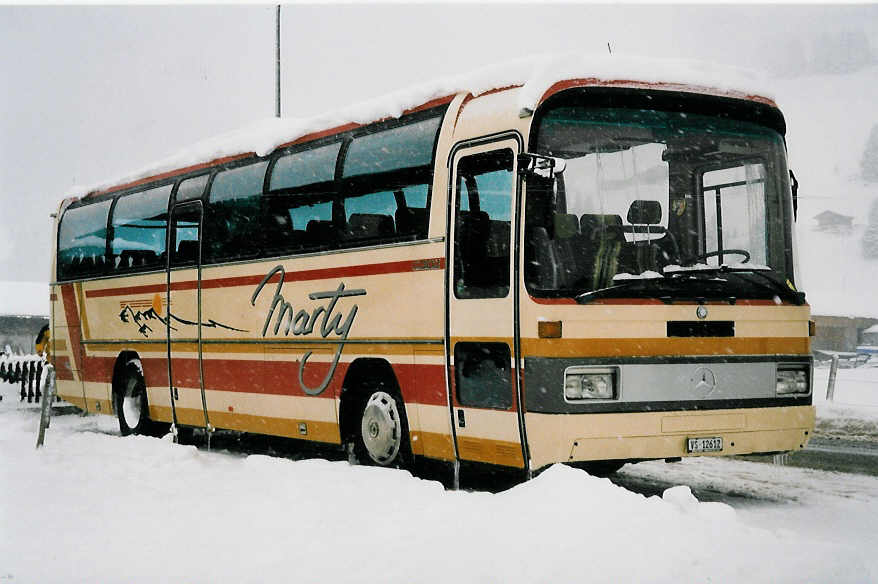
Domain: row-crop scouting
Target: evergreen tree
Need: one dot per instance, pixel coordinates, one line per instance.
(869, 163)
(870, 236)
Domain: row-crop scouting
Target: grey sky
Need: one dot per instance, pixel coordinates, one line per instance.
(90, 93)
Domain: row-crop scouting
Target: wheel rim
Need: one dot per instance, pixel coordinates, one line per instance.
(132, 406)
(380, 428)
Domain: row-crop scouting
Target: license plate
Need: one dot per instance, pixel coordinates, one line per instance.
(712, 444)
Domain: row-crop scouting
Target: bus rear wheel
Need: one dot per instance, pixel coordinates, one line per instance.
(382, 436)
(132, 407)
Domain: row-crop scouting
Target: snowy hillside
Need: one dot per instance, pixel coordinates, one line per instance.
(829, 119)
(24, 298)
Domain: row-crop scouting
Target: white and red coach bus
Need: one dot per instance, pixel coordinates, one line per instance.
(608, 276)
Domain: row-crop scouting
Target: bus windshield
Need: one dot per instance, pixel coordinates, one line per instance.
(652, 200)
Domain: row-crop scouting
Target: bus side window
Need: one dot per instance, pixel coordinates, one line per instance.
(297, 210)
(386, 178)
(140, 223)
(232, 228)
(191, 188)
(483, 375)
(185, 236)
(483, 214)
(82, 241)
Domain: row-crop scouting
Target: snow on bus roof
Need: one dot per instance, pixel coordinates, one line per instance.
(535, 75)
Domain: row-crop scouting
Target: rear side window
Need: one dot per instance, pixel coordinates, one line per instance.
(386, 183)
(409, 146)
(140, 225)
(231, 223)
(82, 241)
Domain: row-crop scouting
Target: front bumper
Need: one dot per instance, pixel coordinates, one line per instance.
(650, 435)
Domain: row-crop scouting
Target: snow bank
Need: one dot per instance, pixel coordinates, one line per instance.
(24, 298)
(535, 75)
(93, 507)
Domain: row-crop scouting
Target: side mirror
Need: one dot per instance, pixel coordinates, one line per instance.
(794, 185)
(538, 165)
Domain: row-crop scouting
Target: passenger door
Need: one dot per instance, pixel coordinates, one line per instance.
(183, 316)
(480, 345)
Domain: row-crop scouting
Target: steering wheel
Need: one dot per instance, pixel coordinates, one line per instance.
(710, 254)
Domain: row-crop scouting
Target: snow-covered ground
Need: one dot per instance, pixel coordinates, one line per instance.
(92, 506)
(853, 412)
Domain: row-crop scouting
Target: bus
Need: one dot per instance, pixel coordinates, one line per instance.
(606, 276)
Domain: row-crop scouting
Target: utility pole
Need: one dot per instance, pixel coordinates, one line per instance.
(277, 65)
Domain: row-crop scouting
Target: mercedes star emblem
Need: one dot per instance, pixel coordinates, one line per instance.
(705, 380)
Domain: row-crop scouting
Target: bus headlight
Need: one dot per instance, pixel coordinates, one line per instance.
(582, 383)
(792, 381)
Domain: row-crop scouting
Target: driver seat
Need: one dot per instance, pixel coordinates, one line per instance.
(645, 218)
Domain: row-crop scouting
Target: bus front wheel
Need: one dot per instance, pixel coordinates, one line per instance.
(599, 468)
(382, 436)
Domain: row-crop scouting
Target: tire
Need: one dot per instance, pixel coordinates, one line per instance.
(131, 405)
(381, 435)
(599, 468)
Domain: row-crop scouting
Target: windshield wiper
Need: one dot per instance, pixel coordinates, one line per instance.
(609, 291)
(780, 288)
(634, 288)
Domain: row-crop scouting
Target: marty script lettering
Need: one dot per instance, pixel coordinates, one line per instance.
(303, 322)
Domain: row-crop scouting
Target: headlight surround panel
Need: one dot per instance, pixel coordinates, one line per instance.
(589, 384)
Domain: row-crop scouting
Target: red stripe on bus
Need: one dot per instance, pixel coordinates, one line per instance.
(74, 326)
(322, 134)
(595, 82)
(423, 384)
(297, 276)
(170, 173)
(353, 125)
(219, 161)
(63, 371)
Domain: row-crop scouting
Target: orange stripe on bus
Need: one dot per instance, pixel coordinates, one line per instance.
(490, 451)
(298, 276)
(657, 347)
(327, 432)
